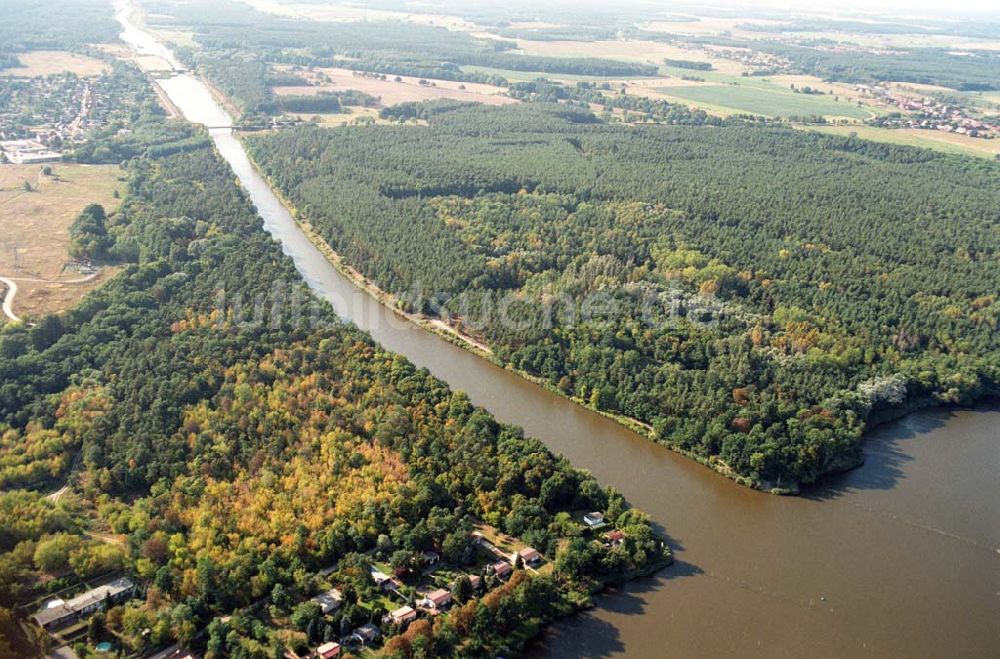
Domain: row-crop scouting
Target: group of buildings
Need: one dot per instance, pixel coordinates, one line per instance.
(929, 113)
(44, 115)
(57, 614)
(28, 152)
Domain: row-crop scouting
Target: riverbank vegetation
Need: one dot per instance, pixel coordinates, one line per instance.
(768, 290)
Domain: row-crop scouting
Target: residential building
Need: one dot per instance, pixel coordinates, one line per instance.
(329, 601)
(366, 634)
(437, 600)
(328, 651)
(529, 556)
(502, 569)
(614, 538)
(403, 615)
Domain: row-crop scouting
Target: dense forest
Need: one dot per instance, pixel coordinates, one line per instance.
(765, 293)
(241, 438)
(30, 25)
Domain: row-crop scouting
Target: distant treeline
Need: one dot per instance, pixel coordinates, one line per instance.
(688, 64)
(324, 103)
(982, 29)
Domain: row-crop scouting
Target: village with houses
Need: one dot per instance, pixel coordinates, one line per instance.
(43, 118)
(930, 113)
(344, 622)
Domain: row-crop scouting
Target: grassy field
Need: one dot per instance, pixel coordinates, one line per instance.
(47, 62)
(769, 102)
(928, 139)
(35, 238)
(727, 94)
(339, 118)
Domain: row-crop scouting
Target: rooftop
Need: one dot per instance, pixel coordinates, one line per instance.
(58, 609)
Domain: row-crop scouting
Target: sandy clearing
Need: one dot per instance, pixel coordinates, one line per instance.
(390, 92)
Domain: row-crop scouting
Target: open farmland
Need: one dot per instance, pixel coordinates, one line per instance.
(776, 102)
(35, 240)
(390, 92)
(634, 50)
(48, 62)
(928, 139)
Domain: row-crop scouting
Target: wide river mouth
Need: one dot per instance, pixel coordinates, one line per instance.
(898, 558)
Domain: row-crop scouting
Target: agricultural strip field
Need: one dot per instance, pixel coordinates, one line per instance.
(726, 94)
(527, 76)
(734, 99)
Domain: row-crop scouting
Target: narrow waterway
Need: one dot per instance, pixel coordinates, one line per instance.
(898, 558)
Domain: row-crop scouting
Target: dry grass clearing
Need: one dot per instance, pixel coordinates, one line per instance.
(340, 118)
(184, 38)
(47, 62)
(841, 89)
(35, 230)
(390, 92)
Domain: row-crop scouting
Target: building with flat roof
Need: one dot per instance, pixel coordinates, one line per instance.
(329, 601)
(58, 613)
(328, 650)
(26, 152)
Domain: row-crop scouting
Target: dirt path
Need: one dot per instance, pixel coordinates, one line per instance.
(55, 496)
(11, 284)
(8, 298)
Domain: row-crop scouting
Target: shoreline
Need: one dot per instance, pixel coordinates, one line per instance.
(453, 335)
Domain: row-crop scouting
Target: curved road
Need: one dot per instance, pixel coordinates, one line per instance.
(11, 284)
(8, 299)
